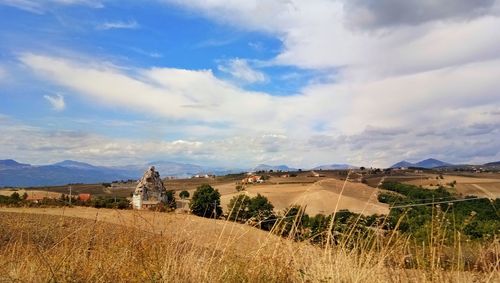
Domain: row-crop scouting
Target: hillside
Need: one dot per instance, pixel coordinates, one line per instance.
(11, 164)
(101, 245)
(318, 196)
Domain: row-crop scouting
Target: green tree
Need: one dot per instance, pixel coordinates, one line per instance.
(242, 207)
(206, 202)
(15, 197)
(184, 194)
(238, 207)
(260, 207)
(293, 223)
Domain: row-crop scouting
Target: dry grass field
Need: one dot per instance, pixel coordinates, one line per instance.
(481, 186)
(99, 245)
(323, 196)
(120, 190)
(31, 193)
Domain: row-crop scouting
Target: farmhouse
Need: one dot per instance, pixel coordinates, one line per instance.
(83, 197)
(252, 179)
(316, 174)
(36, 198)
(205, 176)
(39, 196)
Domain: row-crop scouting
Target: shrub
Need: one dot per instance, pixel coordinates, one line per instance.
(238, 208)
(184, 194)
(171, 200)
(242, 207)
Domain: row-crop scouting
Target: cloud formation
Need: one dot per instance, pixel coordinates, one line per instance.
(404, 80)
(241, 71)
(320, 34)
(387, 13)
(56, 101)
(119, 25)
(410, 115)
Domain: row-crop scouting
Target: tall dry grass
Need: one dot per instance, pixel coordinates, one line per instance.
(45, 248)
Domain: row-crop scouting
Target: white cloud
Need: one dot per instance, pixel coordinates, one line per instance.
(369, 148)
(166, 92)
(318, 34)
(240, 70)
(350, 114)
(424, 74)
(56, 101)
(119, 25)
(41, 6)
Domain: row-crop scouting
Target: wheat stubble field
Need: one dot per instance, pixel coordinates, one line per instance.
(318, 196)
(102, 245)
(481, 186)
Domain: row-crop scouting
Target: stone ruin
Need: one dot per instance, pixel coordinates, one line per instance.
(150, 190)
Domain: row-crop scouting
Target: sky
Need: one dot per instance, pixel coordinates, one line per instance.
(239, 83)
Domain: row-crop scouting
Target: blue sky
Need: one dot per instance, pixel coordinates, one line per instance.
(237, 83)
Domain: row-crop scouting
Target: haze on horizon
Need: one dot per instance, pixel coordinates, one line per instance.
(238, 83)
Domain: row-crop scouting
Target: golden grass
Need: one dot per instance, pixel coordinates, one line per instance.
(49, 245)
(322, 196)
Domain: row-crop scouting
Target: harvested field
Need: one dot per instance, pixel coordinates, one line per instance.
(476, 186)
(123, 190)
(319, 197)
(37, 194)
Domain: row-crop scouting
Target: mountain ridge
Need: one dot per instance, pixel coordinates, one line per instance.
(15, 174)
(334, 167)
(428, 163)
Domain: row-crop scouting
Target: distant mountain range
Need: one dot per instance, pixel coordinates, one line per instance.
(335, 167)
(427, 163)
(15, 174)
(265, 167)
(285, 168)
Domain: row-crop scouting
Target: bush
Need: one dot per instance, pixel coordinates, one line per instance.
(184, 194)
(260, 207)
(171, 200)
(238, 208)
(206, 202)
(242, 207)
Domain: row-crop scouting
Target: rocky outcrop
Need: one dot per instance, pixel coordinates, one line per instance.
(150, 190)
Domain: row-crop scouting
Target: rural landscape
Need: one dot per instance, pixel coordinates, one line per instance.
(250, 141)
(357, 224)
